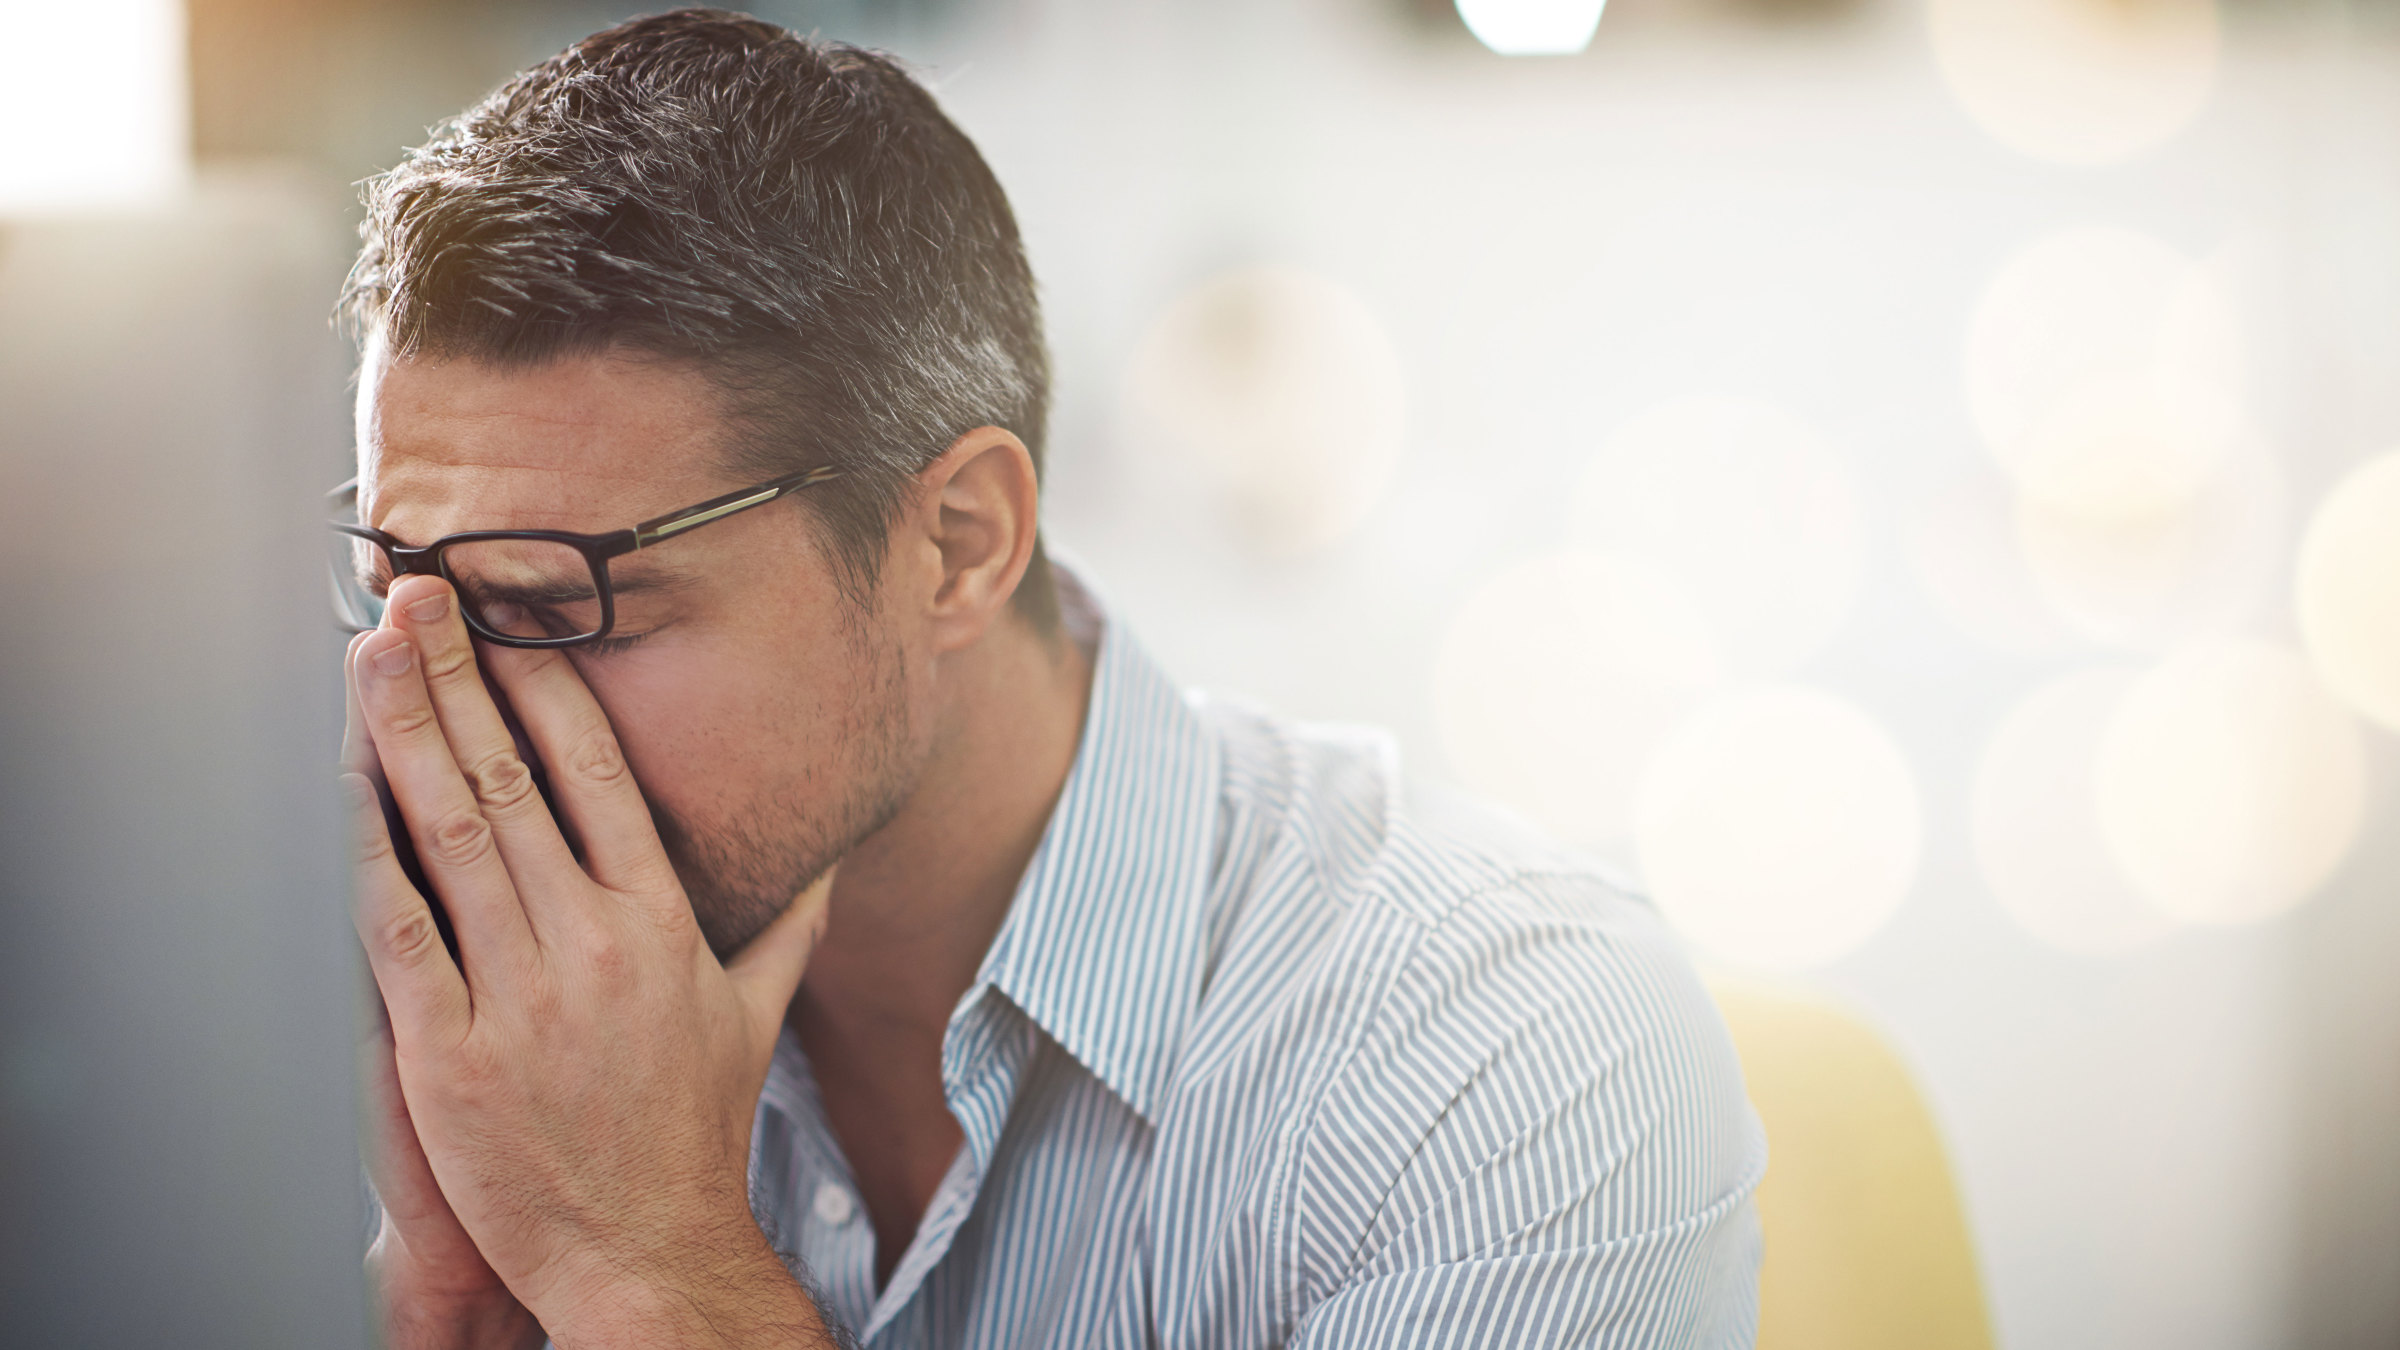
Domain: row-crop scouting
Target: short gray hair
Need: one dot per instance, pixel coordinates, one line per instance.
(796, 218)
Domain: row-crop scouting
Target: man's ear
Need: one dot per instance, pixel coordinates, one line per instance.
(979, 509)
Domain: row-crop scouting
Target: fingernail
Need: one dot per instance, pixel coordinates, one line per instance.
(431, 608)
(501, 615)
(392, 660)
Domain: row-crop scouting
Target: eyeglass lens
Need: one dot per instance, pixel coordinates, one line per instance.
(522, 588)
(360, 575)
(526, 588)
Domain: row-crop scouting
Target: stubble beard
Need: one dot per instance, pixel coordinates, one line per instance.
(743, 874)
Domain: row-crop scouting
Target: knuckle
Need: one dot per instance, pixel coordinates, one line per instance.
(371, 844)
(409, 719)
(597, 760)
(607, 959)
(502, 781)
(460, 838)
(446, 663)
(409, 935)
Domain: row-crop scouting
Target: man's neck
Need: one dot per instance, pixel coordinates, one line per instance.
(915, 907)
(917, 904)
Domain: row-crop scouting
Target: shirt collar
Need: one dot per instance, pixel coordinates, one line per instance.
(1102, 943)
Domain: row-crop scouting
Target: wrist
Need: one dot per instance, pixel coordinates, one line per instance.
(420, 1313)
(469, 1328)
(733, 1292)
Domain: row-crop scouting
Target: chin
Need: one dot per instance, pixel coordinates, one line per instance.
(740, 879)
(741, 875)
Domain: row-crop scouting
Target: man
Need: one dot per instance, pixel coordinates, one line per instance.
(1129, 1018)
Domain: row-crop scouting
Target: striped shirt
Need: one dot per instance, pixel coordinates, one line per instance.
(1271, 1052)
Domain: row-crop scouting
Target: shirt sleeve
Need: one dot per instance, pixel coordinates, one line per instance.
(1547, 1143)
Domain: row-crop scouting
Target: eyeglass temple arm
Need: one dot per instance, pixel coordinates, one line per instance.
(717, 508)
(676, 522)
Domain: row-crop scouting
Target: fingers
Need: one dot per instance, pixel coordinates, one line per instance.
(767, 972)
(358, 749)
(410, 969)
(589, 777)
(455, 844)
(388, 1129)
(503, 785)
(423, 994)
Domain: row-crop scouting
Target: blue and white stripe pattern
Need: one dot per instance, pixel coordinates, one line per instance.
(1269, 1054)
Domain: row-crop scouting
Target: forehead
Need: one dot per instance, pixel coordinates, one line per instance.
(587, 442)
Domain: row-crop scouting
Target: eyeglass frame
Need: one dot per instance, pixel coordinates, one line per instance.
(597, 549)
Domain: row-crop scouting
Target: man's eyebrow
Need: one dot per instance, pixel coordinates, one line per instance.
(647, 576)
(562, 591)
(575, 590)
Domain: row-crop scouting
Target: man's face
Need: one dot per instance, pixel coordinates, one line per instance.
(770, 723)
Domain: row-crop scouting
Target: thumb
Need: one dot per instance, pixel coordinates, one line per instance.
(767, 972)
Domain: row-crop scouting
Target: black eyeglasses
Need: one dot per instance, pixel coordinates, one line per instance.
(518, 588)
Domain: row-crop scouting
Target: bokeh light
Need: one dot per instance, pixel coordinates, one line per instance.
(2077, 81)
(2145, 564)
(1558, 678)
(2230, 782)
(2348, 589)
(2035, 819)
(2105, 371)
(1532, 27)
(1282, 387)
(1781, 827)
(1747, 507)
(1963, 550)
(93, 105)
(2105, 368)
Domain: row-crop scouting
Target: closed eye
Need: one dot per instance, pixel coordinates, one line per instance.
(612, 644)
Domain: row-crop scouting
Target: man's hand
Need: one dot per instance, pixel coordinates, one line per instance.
(436, 1290)
(581, 1081)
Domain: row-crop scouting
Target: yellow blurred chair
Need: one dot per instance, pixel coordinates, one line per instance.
(1867, 1246)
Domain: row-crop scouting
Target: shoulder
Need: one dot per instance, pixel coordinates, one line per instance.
(1332, 800)
(1319, 818)
(1478, 1047)
(1434, 948)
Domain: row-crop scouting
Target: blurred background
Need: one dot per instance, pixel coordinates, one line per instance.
(1917, 479)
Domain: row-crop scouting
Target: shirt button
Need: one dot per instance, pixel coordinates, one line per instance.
(833, 1205)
